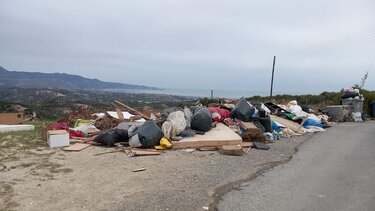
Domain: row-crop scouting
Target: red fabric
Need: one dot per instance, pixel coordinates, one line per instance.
(76, 133)
(219, 114)
(59, 126)
(65, 126)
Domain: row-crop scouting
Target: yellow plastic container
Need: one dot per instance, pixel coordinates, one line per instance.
(164, 142)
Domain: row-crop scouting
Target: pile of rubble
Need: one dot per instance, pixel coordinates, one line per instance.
(231, 128)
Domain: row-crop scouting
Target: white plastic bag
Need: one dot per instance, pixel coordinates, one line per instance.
(357, 116)
(174, 125)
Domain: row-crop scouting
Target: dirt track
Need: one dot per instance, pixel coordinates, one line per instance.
(46, 179)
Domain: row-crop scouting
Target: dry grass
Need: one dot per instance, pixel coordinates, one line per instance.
(25, 152)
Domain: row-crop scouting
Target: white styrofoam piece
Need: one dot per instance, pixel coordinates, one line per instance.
(11, 128)
(58, 140)
(140, 120)
(126, 114)
(113, 114)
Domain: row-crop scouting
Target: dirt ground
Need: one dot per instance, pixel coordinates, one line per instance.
(40, 178)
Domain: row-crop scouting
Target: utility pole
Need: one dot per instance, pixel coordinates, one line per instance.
(273, 71)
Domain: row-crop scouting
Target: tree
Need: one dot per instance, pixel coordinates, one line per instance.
(361, 84)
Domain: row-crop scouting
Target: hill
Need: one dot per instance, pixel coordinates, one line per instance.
(58, 81)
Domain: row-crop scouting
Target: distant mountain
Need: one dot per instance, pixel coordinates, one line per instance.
(58, 80)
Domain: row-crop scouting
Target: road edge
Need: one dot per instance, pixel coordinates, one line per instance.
(221, 190)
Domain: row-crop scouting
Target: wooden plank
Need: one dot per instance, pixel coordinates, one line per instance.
(142, 152)
(232, 150)
(246, 144)
(119, 114)
(82, 139)
(76, 147)
(289, 124)
(249, 126)
(132, 109)
(108, 152)
(216, 137)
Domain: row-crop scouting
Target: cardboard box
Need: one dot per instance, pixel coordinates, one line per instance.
(58, 138)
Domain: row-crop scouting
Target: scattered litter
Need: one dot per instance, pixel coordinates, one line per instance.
(232, 129)
(189, 150)
(140, 169)
(232, 150)
(103, 153)
(208, 149)
(142, 152)
(261, 146)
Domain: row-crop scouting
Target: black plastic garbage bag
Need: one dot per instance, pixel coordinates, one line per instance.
(243, 110)
(110, 137)
(201, 120)
(266, 123)
(149, 134)
(259, 125)
(123, 134)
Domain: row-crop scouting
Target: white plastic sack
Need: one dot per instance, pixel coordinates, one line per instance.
(357, 116)
(188, 116)
(313, 129)
(174, 125)
(84, 128)
(323, 116)
(134, 141)
(167, 129)
(314, 117)
(265, 108)
(296, 110)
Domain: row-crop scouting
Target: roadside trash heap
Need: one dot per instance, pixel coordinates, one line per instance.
(351, 108)
(232, 128)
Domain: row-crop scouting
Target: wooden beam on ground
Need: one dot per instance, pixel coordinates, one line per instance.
(132, 109)
(249, 126)
(232, 150)
(76, 147)
(288, 123)
(119, 114)
(142, 152)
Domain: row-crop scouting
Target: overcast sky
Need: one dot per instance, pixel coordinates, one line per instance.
(320, 45)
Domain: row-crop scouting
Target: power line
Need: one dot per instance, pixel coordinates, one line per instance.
(338, 47)
(348, 38)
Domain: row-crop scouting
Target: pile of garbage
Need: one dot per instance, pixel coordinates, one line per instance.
(351, 108)
(227, 127)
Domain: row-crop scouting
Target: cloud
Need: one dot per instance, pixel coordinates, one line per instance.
(201, 44)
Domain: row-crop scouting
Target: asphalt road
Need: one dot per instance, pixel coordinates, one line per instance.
(334, 170)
